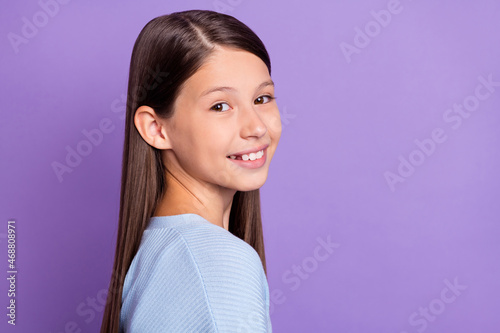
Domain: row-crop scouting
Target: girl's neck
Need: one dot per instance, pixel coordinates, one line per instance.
(184, 195)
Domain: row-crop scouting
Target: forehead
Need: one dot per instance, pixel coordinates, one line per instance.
(227, 67)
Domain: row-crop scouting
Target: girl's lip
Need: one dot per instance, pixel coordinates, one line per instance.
(252, 150)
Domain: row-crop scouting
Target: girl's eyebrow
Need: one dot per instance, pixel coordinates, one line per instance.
(212, 90)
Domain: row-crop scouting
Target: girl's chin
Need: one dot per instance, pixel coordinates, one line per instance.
(249, 186)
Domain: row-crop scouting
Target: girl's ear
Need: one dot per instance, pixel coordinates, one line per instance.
(150, 127)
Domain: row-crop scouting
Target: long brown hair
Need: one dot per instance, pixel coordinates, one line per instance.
(168, 50)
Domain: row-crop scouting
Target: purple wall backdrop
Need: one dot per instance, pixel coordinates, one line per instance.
(381, 209)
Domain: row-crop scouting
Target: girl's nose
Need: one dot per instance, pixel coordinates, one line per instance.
(252, 123)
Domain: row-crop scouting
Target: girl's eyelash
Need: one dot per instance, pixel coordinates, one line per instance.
(268, 96)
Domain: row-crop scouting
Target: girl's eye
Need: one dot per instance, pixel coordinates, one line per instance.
(218, 107)
(260, 99)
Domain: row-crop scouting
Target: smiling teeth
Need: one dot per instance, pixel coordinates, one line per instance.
(251, 156)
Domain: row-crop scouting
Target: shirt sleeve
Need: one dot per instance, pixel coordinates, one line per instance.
(235, 282)
(201, 282)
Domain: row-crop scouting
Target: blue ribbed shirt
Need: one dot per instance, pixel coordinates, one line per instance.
(190, 275)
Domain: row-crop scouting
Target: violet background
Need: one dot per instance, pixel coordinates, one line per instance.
(344, 125)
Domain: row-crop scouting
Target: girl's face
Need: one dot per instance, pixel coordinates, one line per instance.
(226, 124)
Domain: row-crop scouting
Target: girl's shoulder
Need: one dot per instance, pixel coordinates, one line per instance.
(193, 263)
(204, 240)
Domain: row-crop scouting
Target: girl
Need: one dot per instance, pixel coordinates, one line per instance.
(201, 129)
